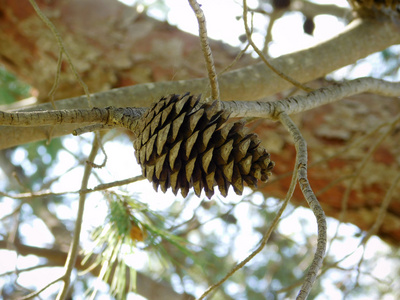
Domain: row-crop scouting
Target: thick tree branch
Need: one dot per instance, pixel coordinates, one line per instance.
(326, 95)
(361, 38)
(127, 117)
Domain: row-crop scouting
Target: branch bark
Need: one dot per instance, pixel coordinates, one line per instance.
(301, 167)
(127, 117)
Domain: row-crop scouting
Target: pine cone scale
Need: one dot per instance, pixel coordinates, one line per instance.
(162, 137)
(176, 125)
(149, 148)
(197, 182)
(194, 119)
(173, 154)
(241, 149)
(227, 170)
(167, 114)
(210, 179)
(190, 142)
(222, 153)
(245, 165)
(154, 124)
(160, 165)
(190, 167)
(237, 181)
(206, 159)
(206, 137)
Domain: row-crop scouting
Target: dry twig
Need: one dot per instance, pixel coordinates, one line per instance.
(301, 168)
(62, 50)
(73, 252)
(205, 46)
(265, 237)
(261, 55)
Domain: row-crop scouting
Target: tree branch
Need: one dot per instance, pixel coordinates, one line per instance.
(301, 149)
(326, 95)
(73, 252)
(61, 45)
(127, 117)
(265, 237)
(100, 187)
(205, 46)
(361, 38)
(261, 55)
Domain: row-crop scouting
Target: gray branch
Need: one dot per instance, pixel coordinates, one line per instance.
(127, 117)
(361, 38)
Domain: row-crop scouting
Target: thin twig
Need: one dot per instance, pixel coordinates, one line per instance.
(103, 164)
(100, 187)
(323, 271)
(57, 79)
(11, 214)
(301, 148)
(240, 54)
(35, 294)
(205, 46)
(63, 49)
(275, 15)
(28, 269)
(265, 237)
(382, 210)
(73, 252)
(235, 60)
(263, 58)
(91, 128)
(322, 96)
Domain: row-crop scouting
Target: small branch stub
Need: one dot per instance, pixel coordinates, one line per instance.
(181, 144)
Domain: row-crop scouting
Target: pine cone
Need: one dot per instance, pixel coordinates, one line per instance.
(182, 144)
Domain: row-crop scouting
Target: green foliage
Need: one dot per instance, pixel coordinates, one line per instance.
(11, 88)
(120, 217)
(130, 225)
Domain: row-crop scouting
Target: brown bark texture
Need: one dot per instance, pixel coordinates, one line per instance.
(113, 46)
